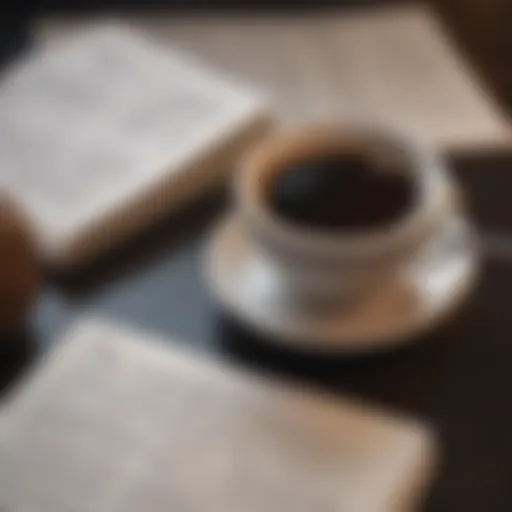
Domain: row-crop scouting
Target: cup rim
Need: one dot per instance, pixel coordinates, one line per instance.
(433, 198)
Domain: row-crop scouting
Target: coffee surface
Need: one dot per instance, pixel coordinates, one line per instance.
(340, 192)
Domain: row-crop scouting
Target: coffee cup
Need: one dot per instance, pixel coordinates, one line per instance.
(384, 196)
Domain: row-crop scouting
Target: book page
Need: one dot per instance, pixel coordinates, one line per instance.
(116, 421)
(392, 65)
(91, 122)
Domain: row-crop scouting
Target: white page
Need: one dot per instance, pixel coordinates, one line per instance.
(395, 65)
(105, 117)
(115, 421)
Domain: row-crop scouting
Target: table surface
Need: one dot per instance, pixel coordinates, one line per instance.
(457, 378)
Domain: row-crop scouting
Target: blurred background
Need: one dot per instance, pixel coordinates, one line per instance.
(453, 381)
(480, 26)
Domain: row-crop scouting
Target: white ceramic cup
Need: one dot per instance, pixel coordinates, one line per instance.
(316, 265)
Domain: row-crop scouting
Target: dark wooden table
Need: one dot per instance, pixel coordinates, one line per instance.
(459, 378)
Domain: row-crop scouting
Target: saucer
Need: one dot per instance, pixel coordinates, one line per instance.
(425, 293)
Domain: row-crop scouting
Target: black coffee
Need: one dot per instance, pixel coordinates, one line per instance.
(340, 192)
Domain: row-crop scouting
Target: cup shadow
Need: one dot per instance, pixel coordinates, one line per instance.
(243, 345)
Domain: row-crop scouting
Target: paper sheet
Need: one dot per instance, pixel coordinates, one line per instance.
(102, 131)
(394, 65)
(115, 421)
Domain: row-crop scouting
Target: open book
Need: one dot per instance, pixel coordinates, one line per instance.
(116, 421)
(105, 131)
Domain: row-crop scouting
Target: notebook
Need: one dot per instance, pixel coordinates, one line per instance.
(117, 420)
(106, 131)
(395, 65)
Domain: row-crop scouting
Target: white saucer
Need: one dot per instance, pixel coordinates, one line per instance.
(423, 295)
